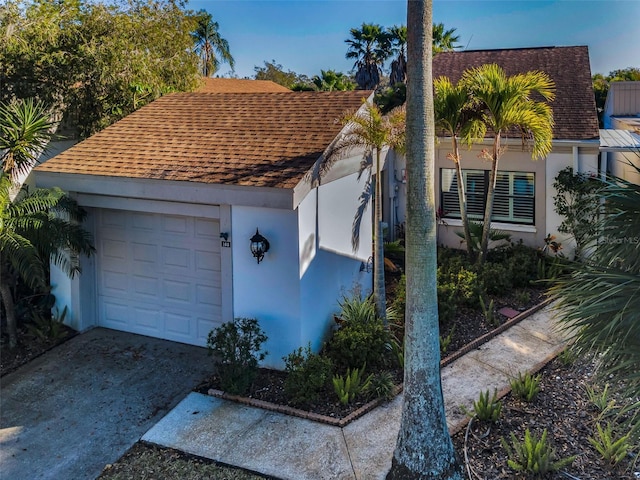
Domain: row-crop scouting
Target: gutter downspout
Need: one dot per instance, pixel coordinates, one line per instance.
(576, 159)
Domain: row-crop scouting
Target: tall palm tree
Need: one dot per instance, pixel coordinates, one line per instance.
(372, 131)
(370, 46)
(35, 227)
(444, 40)
(398, 36)
(208, 41)
(424, 449)
(599, 302)
(454, 114)
(507, 104)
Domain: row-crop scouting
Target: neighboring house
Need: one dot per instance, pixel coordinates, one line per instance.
(524, 197)
(620, 138)
(176, 190)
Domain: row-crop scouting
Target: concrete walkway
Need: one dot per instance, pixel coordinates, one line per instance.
(292, 448)
(84, 403)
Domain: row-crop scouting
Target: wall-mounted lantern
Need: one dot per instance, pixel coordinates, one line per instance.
(259, 246)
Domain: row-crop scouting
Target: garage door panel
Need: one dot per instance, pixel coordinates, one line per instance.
(115, 282)
(160, 275)
(207, 229)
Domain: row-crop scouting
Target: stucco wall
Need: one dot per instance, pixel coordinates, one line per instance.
(514, 159)
(268, 291)
(329, 266)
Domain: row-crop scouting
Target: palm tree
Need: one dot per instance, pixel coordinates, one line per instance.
(35, 227)
(444, 40)
(330, 80)
(25, 131)
(424, 449)
(208, 41)
(369, 129)
(370, 46)
(507, 104)
(456, 117)
(599, 302)
(398, 36)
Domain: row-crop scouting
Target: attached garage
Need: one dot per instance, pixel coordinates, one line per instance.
(158, 275)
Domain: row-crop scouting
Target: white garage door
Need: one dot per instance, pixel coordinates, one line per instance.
(158, 275)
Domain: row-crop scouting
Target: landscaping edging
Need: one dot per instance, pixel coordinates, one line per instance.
(342, 422)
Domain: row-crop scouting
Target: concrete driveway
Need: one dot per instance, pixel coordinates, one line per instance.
(81, 405)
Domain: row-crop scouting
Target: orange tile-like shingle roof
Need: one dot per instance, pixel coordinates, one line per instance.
(251, 139)
(237, 85)
(574, 108)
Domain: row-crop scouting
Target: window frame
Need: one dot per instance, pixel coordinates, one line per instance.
(480, 198)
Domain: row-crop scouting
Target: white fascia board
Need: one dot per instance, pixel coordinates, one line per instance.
(168, 190)
(341, 168)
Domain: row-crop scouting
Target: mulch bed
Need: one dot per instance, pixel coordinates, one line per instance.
(564, 409)
(467, 326)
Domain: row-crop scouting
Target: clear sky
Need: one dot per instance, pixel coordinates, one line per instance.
(308, 35)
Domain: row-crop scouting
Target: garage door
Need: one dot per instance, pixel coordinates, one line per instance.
(158, 275)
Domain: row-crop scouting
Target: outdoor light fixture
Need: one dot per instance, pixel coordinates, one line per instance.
(259, 246)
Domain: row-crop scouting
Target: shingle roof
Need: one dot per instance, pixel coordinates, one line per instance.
(237, 85)
(253, 139)
(574, 108)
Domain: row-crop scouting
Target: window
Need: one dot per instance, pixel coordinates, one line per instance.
(513, 202)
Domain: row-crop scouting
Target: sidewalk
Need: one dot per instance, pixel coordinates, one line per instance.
(297, 449)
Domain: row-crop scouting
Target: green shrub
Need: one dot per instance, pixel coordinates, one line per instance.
(446, 340)
(360, 338)
(526, 386)
(495, 278)
(489, 312)
(381, 386)
(486, 408)
(46, 326)
(236, 347)
(308, 373)
(349, 386)
(533, 456)
(612, 449)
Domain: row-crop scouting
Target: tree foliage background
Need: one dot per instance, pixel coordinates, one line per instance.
(95, 62)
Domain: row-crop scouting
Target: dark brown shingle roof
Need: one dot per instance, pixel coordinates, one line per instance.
(252, 139)
(574, 108)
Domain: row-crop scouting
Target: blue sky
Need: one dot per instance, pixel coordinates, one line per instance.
(308, 35)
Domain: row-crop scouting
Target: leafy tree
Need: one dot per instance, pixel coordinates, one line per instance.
(507, 102)
(398, 36)
(455, 115)
(424, 449)
(370, 46)
(369, 129)
(208, 41)
(93, 62)
(275, 72)
(599, 302)
(330, 80)
(601, 85)
(35, 227)
(444, 40)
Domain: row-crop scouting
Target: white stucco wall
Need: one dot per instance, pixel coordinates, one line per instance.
(268, 291)
(329, 266)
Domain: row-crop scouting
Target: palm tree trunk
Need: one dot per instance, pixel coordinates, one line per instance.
(378, 244)
(9, 308)
(488, 208)
(462, 200)
(424, 449)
